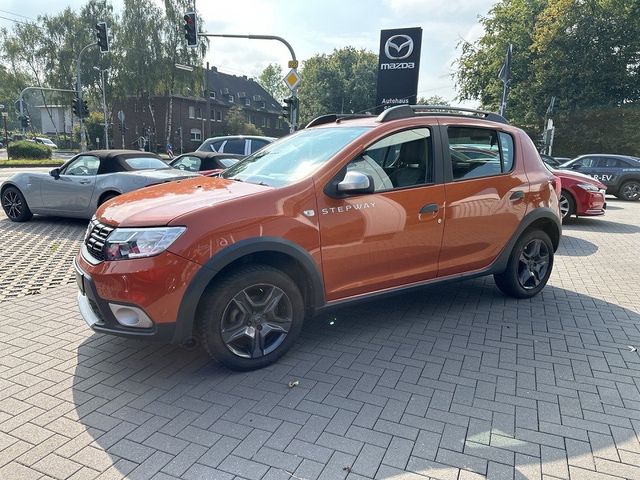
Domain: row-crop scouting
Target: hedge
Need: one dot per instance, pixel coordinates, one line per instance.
(25, 149)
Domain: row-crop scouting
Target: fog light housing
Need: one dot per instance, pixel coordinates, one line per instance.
(131, 317)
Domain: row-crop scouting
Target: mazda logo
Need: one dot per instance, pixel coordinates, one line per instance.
(396, 45)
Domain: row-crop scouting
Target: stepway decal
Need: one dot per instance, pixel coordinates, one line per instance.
(347, 208)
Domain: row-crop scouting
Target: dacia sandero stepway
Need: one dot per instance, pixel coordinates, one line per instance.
(348, 208)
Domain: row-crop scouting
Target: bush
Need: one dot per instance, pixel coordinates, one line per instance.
(25, 149)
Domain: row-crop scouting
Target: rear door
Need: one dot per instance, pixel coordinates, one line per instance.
(608, 170)
(391, 237)
(485, 197)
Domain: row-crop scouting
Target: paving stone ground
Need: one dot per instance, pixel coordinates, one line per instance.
(452, 383)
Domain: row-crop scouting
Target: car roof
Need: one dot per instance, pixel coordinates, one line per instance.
(114, 154)
(614, 155)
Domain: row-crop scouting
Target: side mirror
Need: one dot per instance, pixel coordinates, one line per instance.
(576, 166)
(55, 173)
(355, 182)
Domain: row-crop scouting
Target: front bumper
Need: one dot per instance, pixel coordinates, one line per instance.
(98, 315)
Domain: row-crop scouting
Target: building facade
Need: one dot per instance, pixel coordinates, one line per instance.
(188, 120)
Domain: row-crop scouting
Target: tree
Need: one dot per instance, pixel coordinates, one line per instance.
(271, 80)
(433, 100)
(586, 53)
(341, 82)
(236, 123)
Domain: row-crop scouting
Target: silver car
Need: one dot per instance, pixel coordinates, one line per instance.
(78, 187)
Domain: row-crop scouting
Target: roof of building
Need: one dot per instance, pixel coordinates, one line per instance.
(241, 88)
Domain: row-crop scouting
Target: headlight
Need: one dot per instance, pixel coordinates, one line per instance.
(126, 243)
(588, 187)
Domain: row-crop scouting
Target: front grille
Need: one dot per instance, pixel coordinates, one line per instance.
(94, 241)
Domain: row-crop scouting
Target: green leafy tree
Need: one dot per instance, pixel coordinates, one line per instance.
(433, 100)
(236, 123)
(271, 80)
(341, 82)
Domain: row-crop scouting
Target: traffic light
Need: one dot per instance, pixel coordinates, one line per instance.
(25, 121)
(290, 105)
(102, 36)
(190, 29)
(75, 106)
(85, 109)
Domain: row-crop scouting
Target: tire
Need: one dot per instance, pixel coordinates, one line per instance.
(528, 269)
(237, 317)
(630, 191)
(567, 206)
(15, 205)
(108, 197)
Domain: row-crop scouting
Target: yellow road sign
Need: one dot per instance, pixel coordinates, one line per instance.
(293, 63)
(292, 79)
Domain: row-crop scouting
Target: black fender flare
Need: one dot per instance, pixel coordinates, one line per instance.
(187, 311)
(541, 213)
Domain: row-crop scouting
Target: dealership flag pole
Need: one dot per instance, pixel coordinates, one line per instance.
(505, 76)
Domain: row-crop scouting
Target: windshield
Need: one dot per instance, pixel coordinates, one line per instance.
(145, 163)
(294, 157)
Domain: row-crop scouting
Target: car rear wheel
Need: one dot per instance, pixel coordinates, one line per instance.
(15, 205)
(630, 191)
(567, 205)
(251, 317)
(107, 197)
(529, 266)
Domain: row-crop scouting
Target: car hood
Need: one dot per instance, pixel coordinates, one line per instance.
(159, 204)
(578, 177)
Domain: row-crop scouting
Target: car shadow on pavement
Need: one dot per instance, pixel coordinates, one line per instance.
(457, 376)
(575, 247)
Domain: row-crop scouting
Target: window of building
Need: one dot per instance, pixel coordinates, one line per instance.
(247, 102)
(198, 113)
(212, 94)
(192, 111)
(196, 135)
(231, 99)
(263, 123)
(268, 122)
(218, 116)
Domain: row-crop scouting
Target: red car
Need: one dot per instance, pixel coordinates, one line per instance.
(581, 195)
(205, 163)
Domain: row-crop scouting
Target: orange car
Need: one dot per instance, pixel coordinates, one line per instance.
(346, 209)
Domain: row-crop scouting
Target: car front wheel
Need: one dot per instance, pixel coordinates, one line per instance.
(567, 205)
(251, 317)
(630, 191)
(15, 205)
(529, 266)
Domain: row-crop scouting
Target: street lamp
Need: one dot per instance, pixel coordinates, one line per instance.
(104, 105)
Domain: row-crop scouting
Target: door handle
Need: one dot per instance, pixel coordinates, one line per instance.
(429, 208)
(84, 182)
(517, 195)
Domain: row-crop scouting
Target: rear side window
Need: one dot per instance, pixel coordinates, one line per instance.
(144, 163)
(479, 152)
(609, 162)
(233, 146)
(257, 144)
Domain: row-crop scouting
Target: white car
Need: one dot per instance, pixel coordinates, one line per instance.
(237, 144)
(45, 141)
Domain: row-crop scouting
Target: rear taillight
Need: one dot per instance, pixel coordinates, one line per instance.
(557, 185)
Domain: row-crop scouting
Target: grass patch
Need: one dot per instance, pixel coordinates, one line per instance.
(31, 162)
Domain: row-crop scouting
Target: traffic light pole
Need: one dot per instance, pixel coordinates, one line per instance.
(294, 93)
(83, 139)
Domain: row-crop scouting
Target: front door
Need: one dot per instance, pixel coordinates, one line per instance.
(391, 237)
(72, 191)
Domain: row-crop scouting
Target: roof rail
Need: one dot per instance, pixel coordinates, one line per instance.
(408, 111)
(335, 117)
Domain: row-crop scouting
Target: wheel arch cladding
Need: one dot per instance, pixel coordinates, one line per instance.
(289, 257)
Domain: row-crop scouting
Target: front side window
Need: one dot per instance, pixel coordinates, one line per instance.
(294, 157)
(400, 160)
(189, 163)
(84, 166)
(479, 152)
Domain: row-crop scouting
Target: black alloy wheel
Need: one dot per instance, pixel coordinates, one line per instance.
(250, 317)
(15, 205)
(529, 266)
(630, 191)
(256, 321)
(533, 264)
(567, 205)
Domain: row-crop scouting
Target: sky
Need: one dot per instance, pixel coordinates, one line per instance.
(316, 27)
